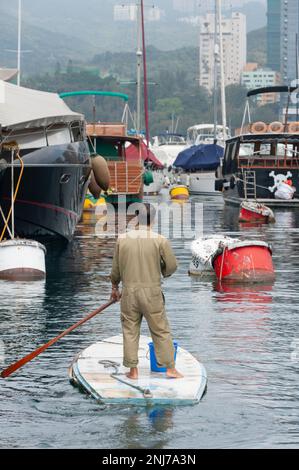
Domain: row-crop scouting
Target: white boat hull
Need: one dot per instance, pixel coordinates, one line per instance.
(202, 183)
(22, 260)
(167, 154)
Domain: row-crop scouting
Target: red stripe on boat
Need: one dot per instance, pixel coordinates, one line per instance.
(45, 206)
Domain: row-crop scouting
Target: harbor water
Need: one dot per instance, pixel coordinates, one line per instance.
(246, 336)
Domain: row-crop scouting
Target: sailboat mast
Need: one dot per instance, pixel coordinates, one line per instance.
(19, 41)
(222, 77)
(297, 76)
(216, 53)
(145, 78)
(139, 63)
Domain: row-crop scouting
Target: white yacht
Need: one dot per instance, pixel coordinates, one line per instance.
(205, 134)
(167, 146)
(201, 178)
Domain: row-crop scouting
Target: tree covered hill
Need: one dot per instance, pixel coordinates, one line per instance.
(59, 30)
(42, 48)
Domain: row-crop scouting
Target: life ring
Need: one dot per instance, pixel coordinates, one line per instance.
(259, 127)
(293, 128)
(276, 127)
(101, 172)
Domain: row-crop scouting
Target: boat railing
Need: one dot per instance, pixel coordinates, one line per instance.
(269, 161)
(125, 177)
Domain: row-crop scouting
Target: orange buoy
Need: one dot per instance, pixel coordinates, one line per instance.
(276, 127)
(259, 127)
(293, 128)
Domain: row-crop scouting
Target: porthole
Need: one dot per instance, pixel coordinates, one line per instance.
(65, 179)
(82, 180)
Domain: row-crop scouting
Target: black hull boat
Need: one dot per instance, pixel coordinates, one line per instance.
(261, 163)
(235, 191)
(52, 191)
(51, 141)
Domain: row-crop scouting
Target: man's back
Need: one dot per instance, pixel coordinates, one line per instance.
(141, 257)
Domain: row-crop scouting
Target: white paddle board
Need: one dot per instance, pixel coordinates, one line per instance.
(98, 371)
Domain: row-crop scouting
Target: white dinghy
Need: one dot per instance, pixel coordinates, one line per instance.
(98, 371)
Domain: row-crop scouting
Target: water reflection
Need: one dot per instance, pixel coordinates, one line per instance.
(148, 428)
(244, 296)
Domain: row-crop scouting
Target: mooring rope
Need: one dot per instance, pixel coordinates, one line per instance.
(14, 148)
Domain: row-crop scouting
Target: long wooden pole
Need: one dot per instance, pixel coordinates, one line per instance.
(17, 365)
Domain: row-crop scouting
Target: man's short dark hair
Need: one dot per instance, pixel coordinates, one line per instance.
(146, 214)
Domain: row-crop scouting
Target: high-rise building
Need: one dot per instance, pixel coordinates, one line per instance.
(273, 35)
(255, 77)
(282, 29)
(234, 49)
(290, 30)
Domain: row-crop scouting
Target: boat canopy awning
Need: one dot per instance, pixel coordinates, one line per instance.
(23, 108)
(132, 154)
(272, 89)
(200, 157)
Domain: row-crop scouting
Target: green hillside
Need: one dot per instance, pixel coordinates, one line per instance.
(45, 47)
(257, 46)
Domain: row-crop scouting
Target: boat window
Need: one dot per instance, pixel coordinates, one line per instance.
(77, 131)
(58, 136)
(230, 153)
(265, 149)
(285, 150)
(246, 150)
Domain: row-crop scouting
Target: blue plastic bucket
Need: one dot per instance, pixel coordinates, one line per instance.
(153, 359)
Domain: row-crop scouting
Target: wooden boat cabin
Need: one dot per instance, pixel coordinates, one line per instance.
(262, 163)
(111, 141)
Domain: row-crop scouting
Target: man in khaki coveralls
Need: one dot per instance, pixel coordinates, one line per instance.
(140, 257)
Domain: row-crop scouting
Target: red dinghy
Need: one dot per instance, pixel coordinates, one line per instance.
(255, 212)
(247, 261)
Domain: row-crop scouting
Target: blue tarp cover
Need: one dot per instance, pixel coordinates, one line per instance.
(200, 157)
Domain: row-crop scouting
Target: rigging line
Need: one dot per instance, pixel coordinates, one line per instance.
(15, 194)
(4, 220)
